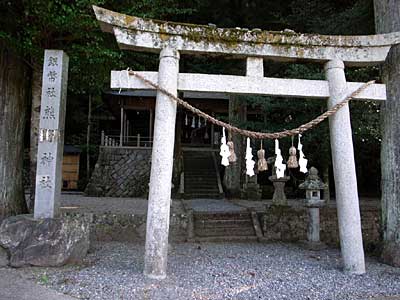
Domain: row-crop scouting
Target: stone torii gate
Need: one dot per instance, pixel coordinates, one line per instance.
(171, 39)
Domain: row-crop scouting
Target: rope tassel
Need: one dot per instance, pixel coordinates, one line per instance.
(292, 161)
(232, 157)
(262, 164)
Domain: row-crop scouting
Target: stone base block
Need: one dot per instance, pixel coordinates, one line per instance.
(251, 191)
(45, 242)
(391, 254)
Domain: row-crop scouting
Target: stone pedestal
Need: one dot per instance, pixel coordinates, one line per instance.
(313, 227)
(155, 261)
(251, 189)
(279, 197)
(344, 172)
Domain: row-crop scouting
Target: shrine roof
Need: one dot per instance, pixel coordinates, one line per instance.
(152, 35)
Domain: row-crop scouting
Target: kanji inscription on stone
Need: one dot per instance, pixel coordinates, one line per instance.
(45, 182)
(51, 134)
(46, 159)
(53, 61)
(51, 92)
(52, 76)
(49, 113)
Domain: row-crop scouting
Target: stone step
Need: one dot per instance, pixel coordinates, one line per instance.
(201, 196)
(200, 176)
(215, 239)
(201, 179)
(202, 190)
(199, 190)
(224, 232)
(224, 223)
(205, 181)
(205, 173)
(222, 216)
(205, 185)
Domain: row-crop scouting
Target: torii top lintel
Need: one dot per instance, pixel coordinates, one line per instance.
(153, 35)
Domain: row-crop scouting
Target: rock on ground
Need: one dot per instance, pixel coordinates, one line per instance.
(45, 242)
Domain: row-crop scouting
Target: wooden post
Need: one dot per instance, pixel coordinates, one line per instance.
(102, 141)
(127, 131)
(121, 129)
(88, 138)
(151, 124)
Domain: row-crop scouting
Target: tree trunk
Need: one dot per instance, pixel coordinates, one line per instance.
(233, 173)
(36, 91)
(13, 107)
(387, 19)
(88, 138)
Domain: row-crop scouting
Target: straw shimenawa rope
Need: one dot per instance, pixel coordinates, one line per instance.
(254, 134)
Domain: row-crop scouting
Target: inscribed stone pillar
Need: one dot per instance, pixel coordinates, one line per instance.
(344, 172)
(155, 263)
(51, 134)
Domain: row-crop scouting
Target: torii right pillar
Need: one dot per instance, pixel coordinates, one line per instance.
(347, 203)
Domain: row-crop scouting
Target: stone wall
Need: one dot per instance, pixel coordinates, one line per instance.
(289, 224)
(129, 227)
(120, 172)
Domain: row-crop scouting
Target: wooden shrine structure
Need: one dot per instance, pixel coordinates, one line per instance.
(172, 39)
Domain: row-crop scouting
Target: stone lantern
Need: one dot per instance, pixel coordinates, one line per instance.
(313, 186)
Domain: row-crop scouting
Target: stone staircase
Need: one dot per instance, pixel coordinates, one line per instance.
(225, 226)
(201, 177)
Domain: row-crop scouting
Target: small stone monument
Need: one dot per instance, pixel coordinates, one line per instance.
(313, 186)
(279, 197)
(251, 189)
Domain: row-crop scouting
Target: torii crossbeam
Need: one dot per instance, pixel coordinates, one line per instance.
(171, 39)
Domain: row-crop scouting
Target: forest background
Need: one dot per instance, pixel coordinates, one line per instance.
(29, 27)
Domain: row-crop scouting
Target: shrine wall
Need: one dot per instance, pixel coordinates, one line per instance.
(289, 224)
(120, 172)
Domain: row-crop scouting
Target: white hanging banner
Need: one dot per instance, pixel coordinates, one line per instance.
(249, 159)
(280, 167)
(302, 160)
(224, 150)
(194, 122)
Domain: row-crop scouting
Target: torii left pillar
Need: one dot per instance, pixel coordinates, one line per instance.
(155, 261)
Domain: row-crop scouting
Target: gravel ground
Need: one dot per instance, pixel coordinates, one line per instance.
(220, 271)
